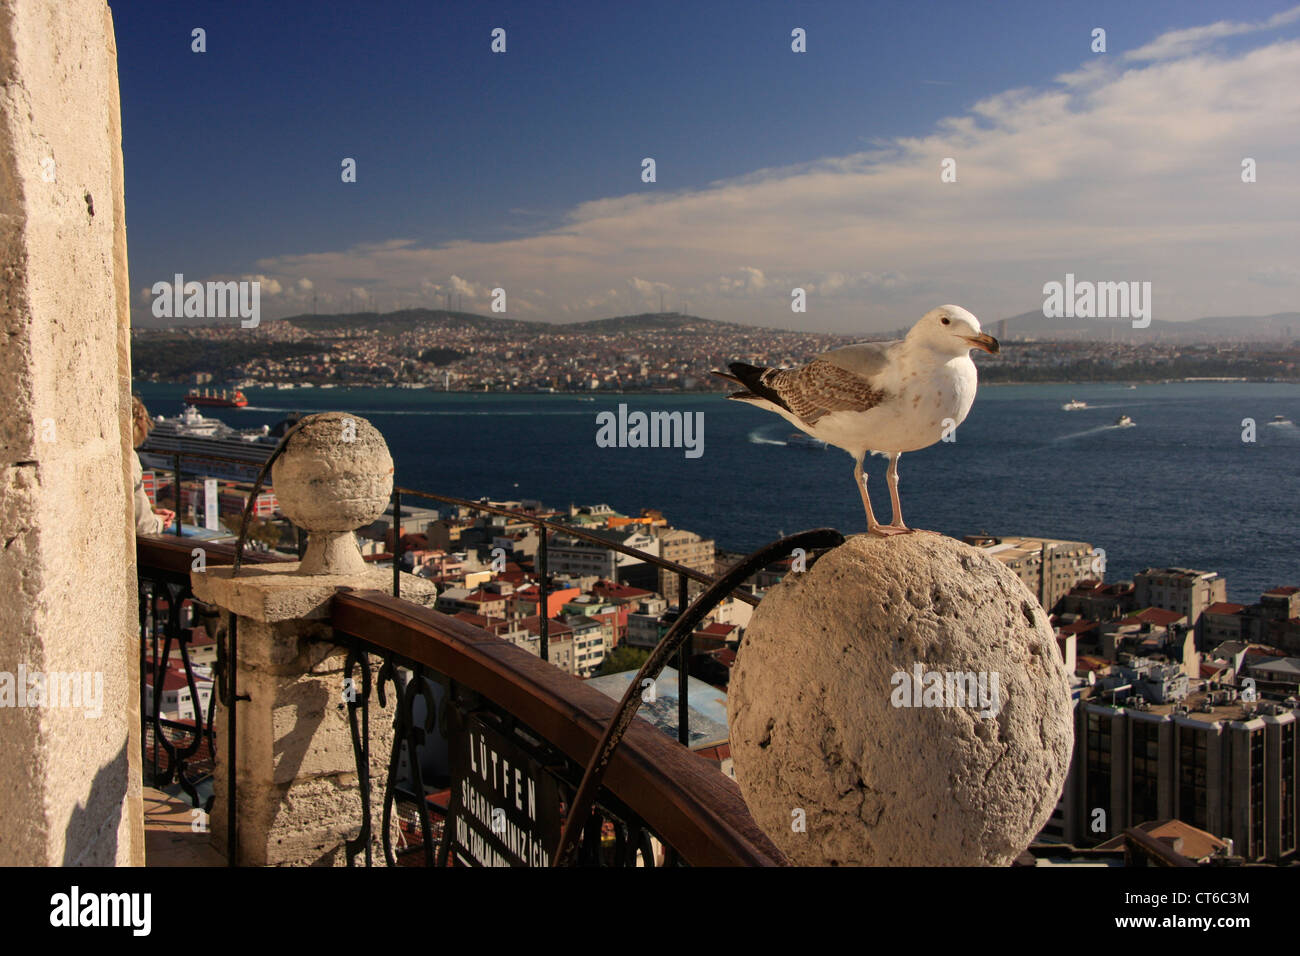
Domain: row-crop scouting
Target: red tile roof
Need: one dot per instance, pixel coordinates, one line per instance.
(616, 592)
(1259, 650)
(1153, 615)
(478, 620)
(1197, 844)
(1225, 607)
(719, 753)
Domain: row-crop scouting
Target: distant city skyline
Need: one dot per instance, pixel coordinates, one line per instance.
(819, 170)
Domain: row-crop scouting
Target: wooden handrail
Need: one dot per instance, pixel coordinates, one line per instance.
(173, 556)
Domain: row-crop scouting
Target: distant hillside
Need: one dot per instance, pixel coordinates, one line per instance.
(407, 319)
(652, 322)
(1026, 324)
(441, 318)
(1035, 325)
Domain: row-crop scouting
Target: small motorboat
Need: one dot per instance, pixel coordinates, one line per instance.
(1279, 420)
(1073, 405)
(1124, 422)
(800, 440)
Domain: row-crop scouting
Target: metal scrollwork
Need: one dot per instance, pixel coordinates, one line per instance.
(406, 732)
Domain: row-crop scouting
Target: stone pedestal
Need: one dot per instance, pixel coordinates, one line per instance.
(298, 797)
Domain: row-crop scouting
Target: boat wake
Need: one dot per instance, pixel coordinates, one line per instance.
(1093, 431)
(756, 438)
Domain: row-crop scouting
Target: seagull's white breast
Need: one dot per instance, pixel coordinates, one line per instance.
(925, 394)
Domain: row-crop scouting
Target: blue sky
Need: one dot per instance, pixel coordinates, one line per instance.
(774, 169)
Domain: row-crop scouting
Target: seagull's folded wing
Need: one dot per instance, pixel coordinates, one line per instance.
(865, 360)
(820, 387)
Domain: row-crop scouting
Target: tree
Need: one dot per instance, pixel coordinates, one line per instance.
(621, 659)
(263, 532)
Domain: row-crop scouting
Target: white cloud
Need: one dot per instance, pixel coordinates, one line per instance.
(1177, 43)
(1118, 170)
(459, 286)
(267, 284)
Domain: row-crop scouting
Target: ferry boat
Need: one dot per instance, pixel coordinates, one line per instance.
(1124, 422)
(194, 435)
(800, 440)
(1073, 405)
(1279, 420)
(212, 398)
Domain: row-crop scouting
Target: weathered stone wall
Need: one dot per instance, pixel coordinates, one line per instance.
(69, 781)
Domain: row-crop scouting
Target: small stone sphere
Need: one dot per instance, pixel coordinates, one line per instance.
(900, 703)
(335, 475)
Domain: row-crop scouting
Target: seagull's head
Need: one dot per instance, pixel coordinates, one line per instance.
(952, 330)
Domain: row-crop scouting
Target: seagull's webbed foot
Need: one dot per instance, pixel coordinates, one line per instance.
(885, 530)
(895, 526)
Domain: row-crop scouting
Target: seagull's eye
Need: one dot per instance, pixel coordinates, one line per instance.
(946, 322)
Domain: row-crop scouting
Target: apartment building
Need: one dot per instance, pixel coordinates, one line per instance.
(571, 555)
(1211, 760)
(1049, 567)
(1183, 590)
(683, 547)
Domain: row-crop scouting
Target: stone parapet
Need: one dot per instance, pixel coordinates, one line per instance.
(298, 797)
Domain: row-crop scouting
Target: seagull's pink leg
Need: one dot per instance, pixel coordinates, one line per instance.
(860, 479)
(891, 476)
(873, 526)
(895, 526)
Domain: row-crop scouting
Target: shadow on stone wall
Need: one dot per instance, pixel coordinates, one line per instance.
(84, 842)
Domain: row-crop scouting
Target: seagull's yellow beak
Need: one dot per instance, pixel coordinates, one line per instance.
(984, 341)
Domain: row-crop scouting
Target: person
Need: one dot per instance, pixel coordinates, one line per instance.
(148, 520)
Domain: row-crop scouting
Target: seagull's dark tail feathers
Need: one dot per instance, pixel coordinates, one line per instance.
(750, 377)
(742, 374)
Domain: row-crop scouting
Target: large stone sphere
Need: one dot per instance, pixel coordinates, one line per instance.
(852, 744)
(335, 475)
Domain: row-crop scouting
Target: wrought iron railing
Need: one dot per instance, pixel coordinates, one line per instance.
(186, 748)
(620, 788)
(657, 792)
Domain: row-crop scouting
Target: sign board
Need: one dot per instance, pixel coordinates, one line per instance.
(505, 807)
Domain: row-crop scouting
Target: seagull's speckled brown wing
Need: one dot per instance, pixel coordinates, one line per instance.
(818, 388)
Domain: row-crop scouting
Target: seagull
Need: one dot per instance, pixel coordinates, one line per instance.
(886, 397)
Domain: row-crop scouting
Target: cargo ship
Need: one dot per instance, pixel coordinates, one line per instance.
(216, 399)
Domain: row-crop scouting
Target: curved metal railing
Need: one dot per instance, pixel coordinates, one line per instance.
(653, 787)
